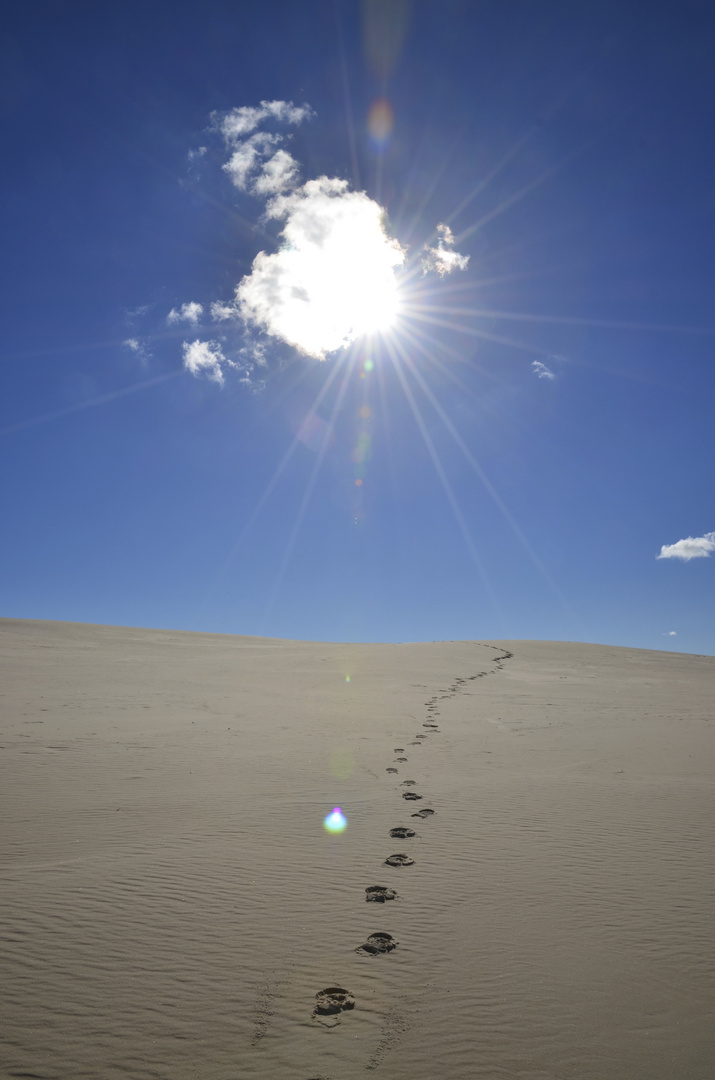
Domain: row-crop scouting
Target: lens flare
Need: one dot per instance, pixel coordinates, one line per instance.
(336, 821)
(380, 121)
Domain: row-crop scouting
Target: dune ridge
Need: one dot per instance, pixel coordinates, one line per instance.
(172, 904)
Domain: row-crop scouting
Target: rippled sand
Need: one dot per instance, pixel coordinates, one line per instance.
(172, 905)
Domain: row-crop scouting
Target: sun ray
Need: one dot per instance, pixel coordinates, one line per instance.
(332, 373)
(385, 413)
(494, 172)
(103, 399)
(347, 98)
(578, 361)
(446, 486)
(445, 369)
(502, 279)
(547, 114)
(347, 366)
(487, 484)
(526, 189)
(567, 320)
(432, 187)
(485, 334)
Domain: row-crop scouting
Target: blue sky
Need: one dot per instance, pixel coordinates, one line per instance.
(474, 401)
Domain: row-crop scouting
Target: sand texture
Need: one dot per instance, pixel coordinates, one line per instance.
(171, 904)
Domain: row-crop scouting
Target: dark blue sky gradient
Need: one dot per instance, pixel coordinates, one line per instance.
(128, 509)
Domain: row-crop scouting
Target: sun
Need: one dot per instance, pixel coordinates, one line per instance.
(335, 277)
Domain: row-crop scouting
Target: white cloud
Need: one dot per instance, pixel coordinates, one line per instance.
(693, 547)
(258, 151)
(278, 174)
(248, 156)
(541, 370)
(190, 313)
(335, 274)
(239, 122)
(241, 164)
(442, 258)
(254, 352)
(670, 633)
(205, 358)
(333, 278)
(221, 312)
(138, 348)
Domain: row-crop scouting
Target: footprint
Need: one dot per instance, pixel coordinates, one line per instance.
(378, 943)
(399, 750)
(412, 795)
(391, 770)
(399, 860)
(420, 736)
(424, 813)
(333, 999)
(378, 894)
(401, 759)
(402, 833)
(408, 783)
(417, 744)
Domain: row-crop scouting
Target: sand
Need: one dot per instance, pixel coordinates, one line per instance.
(171, 904)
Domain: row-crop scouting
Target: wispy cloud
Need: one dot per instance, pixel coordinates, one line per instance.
(258, 162)
(248, 157)
(279, 173)
(138, 348)
(693, 547)
(206, 358)
(541, 371)
(222, 312)
(237, 123)
(670, 633)
(134, 314)
(190, 313)
(443, 259)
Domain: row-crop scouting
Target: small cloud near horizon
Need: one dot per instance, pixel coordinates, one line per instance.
(692, 547)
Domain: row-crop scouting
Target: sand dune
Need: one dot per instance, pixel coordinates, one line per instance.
(172, 905)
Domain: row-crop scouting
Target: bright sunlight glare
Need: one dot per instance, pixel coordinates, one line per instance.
(333, 279)
(337, 273)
